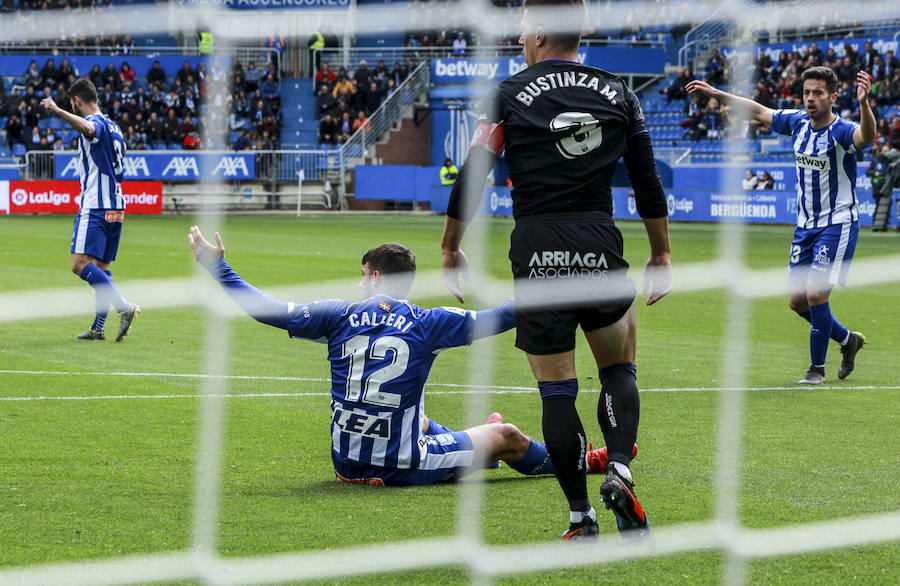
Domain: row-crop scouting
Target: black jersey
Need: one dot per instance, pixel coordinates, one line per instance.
(565, 126)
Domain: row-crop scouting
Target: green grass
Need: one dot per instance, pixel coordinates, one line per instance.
(100, 478)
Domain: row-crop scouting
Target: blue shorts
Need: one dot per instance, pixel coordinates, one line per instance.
(822, 255)
(97, 233)
(445, 458)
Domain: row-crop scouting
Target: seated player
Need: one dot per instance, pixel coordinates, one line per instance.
(381, 350)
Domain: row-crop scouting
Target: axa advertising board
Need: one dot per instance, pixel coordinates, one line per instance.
(62, 197)
(179, 166)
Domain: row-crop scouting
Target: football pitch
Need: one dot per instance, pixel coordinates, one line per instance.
(99, 439)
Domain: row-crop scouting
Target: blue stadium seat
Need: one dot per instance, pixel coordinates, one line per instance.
(19, 150)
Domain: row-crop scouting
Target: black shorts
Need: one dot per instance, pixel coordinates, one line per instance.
(567, 249)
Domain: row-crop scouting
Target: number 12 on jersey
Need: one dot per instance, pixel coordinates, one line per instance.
(369, 391)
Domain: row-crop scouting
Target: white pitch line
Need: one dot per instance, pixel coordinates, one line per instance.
(473, 389)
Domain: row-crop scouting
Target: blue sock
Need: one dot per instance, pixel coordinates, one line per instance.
(821, 322)
(535, 461)
(435, 428)
(103, 285)
(839, 333)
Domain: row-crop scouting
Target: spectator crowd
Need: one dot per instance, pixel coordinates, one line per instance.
(345, 101)
(163, 110)
(777, 83)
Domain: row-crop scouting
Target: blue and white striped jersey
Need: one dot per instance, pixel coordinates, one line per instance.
(100, 166)
(826, 169)
(381, 351)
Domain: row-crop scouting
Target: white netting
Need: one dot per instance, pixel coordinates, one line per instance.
(467, 548)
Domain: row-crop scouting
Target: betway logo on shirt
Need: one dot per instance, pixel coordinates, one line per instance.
(813, 163)
(180, 166)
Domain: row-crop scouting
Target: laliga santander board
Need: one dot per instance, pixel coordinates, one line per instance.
(62, 197)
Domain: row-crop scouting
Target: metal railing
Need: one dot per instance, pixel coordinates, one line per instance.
(699, 38)
(357, 148)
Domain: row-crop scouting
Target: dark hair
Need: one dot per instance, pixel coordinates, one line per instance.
(84, 89)
(562, 40)
(393, 258)
(825, 74)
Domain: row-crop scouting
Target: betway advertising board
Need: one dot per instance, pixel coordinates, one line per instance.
(168, 166)
(63, 197)
(620, 60)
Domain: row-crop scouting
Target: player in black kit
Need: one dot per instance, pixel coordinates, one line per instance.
(564, 126)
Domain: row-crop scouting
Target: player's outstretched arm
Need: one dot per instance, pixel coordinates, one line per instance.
(257, 304)
(490, 322)
(747, 107)
(75, 121)
(865, 134)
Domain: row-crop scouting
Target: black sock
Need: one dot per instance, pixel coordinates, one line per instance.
(565, 440)
(619, 410)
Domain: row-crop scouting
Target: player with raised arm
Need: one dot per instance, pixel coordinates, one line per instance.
(827, 228)
(98, 224)
(564, 126)
(381, 351)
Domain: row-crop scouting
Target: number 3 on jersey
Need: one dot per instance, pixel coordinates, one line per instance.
(582, 133)
(119, 147)
(356, 349)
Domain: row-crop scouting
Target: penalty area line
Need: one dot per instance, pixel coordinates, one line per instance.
(457, 389)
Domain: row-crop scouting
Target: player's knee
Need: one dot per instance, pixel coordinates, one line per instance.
(817, 297)
(513, 439)
(798, 304)
(78, 265)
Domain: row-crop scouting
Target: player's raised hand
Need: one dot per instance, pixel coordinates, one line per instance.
(699, 86)
(49, 105)
(863, 85)
(205, 253)
(657, 278)
(453, 263)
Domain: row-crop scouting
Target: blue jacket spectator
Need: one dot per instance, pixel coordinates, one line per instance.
(269, 89)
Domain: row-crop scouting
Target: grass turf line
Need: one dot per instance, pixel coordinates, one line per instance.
(91, 480)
